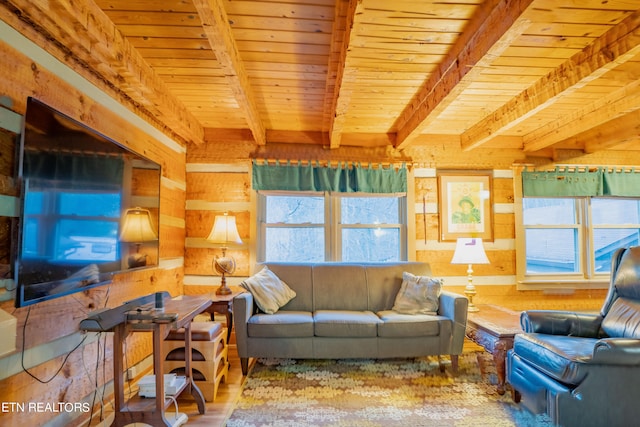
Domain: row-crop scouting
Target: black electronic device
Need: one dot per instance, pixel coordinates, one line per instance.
(76, 185)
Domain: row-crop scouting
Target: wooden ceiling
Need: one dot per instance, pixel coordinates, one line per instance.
(533, 74)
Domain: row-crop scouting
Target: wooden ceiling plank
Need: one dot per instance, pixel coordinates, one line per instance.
(146, 5)
(216, 26)
(496, 24)
(616, 46)
(94, 42)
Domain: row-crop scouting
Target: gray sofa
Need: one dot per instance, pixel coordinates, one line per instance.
(583, 369)
(344, 311)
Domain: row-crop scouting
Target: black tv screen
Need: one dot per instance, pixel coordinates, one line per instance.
(76, 186)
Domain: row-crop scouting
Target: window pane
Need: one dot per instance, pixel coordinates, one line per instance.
(607, 241)
(370, 245)
(295, 210)
(294, 244)
(615, 211)
(552, 250)
(369, 210)
(548, 211)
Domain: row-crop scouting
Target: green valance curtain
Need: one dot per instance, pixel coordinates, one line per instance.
(344, 178)
(581, 182)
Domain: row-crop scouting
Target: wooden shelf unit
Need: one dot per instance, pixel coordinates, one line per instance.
(146, 410)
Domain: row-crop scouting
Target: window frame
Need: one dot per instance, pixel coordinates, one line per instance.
(332, 225)
(586, 277)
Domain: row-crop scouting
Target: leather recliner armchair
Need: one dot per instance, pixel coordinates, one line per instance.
(583, 369)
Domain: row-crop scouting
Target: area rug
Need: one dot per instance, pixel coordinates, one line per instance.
(372, 393)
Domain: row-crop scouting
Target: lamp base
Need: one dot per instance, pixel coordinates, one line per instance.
(470, 292)
(223, 290)
(137, 260)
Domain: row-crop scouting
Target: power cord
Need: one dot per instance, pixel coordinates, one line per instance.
(24, 328)
(175, 404)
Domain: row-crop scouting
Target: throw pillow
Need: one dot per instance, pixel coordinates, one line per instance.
(418, 295)
(269, 292)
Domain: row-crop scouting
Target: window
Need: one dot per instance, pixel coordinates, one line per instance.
(574, 238)
(317, 227)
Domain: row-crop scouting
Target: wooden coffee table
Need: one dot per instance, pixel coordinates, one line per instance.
(494, 328)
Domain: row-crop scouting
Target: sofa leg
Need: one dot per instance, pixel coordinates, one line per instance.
(244, 364)
(454, 363)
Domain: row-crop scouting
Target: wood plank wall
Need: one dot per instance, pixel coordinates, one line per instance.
(50, 329)
(218, 179)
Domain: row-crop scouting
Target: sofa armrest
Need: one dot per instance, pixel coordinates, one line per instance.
(454, 306)
(556, 322)
(617, 351)
(242, 311)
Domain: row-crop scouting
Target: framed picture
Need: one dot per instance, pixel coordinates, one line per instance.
(465, 203)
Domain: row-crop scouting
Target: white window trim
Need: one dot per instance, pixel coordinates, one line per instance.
(332, 215)
(555, 283)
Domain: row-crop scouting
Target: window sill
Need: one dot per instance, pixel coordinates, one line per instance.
(560, 286)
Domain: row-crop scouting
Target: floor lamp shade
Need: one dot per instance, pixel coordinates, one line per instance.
(470, 251)
(223, 232)
(137, 228)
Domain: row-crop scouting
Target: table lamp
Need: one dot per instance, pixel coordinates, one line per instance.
(224, 231)
(137, 228)
(469, 251)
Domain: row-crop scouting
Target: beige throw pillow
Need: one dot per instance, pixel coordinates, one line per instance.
(269, 292)
(418, 295)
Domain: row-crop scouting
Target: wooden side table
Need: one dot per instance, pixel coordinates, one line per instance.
(494, 328)
(117, 320)
(223, 304)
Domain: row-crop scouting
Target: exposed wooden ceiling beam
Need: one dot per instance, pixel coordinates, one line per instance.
(614, 104)
(216, 26)
(618, 45)
(339, 89)
(86, 39)
(486, 36)
(610, 134)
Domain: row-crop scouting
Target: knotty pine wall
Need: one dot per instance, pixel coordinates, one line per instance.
(219, 179)
(50, 329)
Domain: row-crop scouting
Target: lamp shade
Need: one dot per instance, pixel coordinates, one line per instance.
(469, 251)
(136, 227)
(224, 230)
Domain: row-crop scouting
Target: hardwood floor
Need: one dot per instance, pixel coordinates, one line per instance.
(219, 410)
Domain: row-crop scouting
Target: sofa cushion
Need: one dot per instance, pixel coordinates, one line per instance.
(283, 324)
(384, 281)
(418, 295)
(396, 324)
(269, 292)
(340, 287)
(623, 319)
(564, 358)
(345, 323)
(299, 278)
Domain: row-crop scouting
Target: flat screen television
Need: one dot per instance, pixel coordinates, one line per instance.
(76, 186)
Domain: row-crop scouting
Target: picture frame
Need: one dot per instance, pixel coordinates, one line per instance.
(465, 202)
